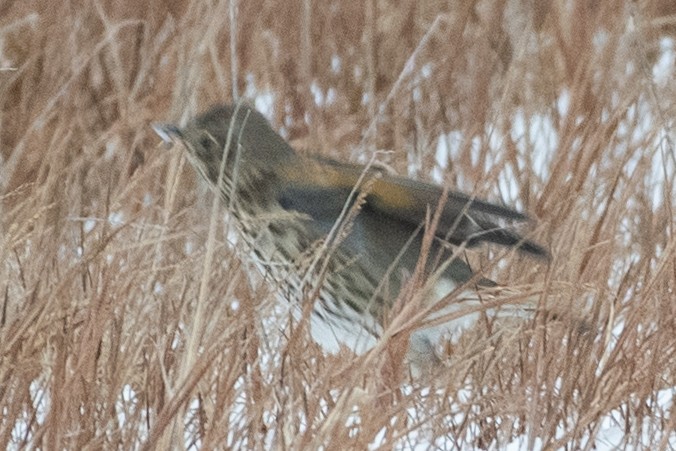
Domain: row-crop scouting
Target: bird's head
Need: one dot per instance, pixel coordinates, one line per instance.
(226, 139)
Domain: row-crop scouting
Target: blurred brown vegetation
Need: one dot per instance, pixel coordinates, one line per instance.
(104, 243)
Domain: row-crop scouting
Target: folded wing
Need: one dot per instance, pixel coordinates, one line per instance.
(323, 192)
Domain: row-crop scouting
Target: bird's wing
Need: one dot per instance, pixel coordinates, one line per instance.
(324, 188)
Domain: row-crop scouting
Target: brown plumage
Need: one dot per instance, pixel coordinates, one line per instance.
(287, 203)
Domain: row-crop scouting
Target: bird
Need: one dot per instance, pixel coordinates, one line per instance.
(351, 234)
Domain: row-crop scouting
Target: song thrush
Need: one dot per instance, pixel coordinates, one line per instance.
(351, 234)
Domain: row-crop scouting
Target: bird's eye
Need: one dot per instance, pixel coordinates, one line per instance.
(206, 141)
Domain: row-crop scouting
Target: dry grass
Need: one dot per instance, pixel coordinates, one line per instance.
(109, 251)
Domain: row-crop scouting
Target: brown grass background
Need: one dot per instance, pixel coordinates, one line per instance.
(106, 261)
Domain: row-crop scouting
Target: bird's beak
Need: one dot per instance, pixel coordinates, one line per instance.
(167, 132)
